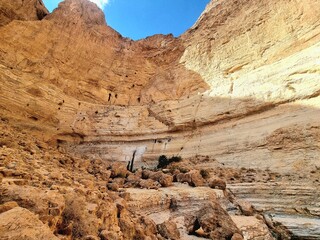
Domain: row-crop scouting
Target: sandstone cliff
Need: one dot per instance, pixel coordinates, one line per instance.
(28, 10)
(241, 86)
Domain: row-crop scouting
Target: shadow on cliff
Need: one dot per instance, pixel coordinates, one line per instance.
(235, 126)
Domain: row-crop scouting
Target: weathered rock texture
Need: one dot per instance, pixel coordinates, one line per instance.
(25, 10)
(79, 80)
(19, 223)
(45, 194)
(241, 86)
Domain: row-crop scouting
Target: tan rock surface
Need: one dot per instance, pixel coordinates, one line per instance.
(60, 194)
(21, 10)
(241, 86)
(169, 230)
(109, 130)
(8, 206)
(19, 223)
(215, 222)
(263, 32)
(252, 228)
(49, 205)
(71, 57)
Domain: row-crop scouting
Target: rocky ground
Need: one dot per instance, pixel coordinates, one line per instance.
(48, 194)
(59, 196)
(288, 201)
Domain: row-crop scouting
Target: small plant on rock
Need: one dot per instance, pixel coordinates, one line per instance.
(164, 161)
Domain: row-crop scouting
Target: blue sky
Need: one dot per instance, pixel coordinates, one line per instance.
(138, 19)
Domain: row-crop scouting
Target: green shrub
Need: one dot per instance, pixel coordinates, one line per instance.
(163, 161)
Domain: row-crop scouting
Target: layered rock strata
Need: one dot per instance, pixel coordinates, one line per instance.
(292, 205)
(123, 96)
(241, 86)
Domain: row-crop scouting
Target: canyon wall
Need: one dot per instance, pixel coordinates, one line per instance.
(242, 85)
(262, 108)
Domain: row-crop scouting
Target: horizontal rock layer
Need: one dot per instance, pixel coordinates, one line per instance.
(294, 205)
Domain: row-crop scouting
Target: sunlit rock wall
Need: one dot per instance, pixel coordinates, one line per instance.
(242, 85)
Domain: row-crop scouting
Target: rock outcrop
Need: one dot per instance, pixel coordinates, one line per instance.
(19, 223)
(241, 87)
(107, 89)
(23, 10)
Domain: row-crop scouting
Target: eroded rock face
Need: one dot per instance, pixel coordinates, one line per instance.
(263, 82)
(76, 51)
(241, 86)
(19, 223)
(134, 86)
(75, 12)
(21, 10)
(48, 204)
(263, 32)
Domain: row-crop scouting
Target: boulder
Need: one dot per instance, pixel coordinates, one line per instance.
(119, 181)
(8, 206)
(237, 236)
(193, 178)
(105, 174)
(169, 230)
(128, 228)
(118, 169)
(47, 203)
(108, 212)
(199, 232)
(19, 223)
(245, 207)
(164, 179)
(150, 228)
(146, 174)
(132, 180)
(183, 178)
(215, 182)
(149, 184)
(211, 221)
(113, 187)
